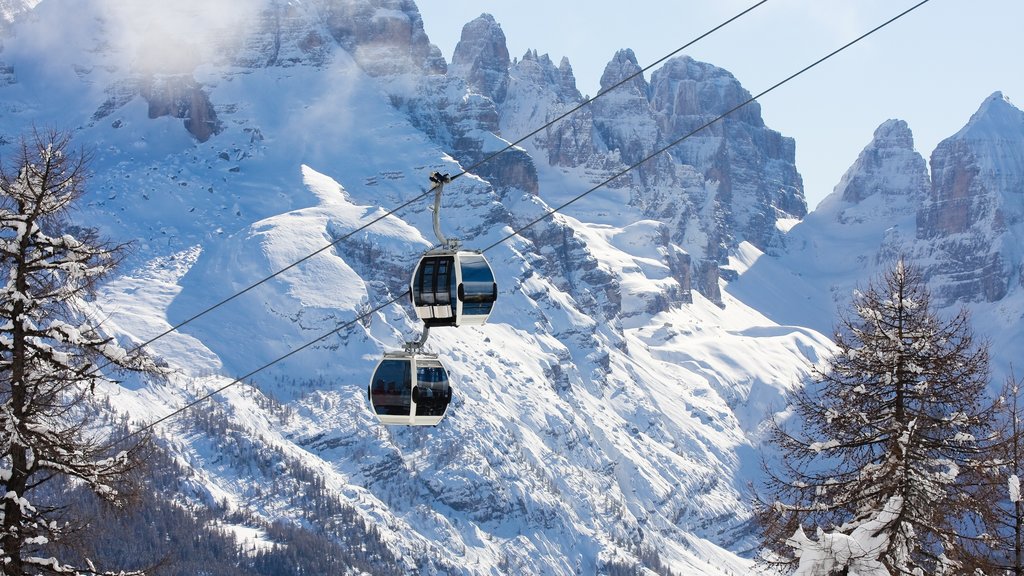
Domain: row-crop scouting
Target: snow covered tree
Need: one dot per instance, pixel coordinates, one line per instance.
(53, 353)
(881, 437)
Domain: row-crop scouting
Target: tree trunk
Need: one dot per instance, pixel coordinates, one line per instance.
(13, 539)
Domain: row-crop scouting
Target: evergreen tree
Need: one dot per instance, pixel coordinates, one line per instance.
(52, 355)
(882, 436)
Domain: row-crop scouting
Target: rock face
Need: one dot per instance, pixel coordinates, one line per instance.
(540, 91)
(972, 222)
(181, 97)
(623, 119)
(753, 165)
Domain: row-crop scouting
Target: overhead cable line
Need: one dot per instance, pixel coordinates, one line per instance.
(402, 206)
(550, 213)
(252, 373)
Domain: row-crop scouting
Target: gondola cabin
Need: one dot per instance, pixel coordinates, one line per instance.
(453, 288)
(410, 389)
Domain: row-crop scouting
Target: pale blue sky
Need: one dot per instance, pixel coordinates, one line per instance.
(932, 68)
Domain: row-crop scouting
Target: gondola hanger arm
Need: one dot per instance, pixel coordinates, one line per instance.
(439, 181)
(417, 346)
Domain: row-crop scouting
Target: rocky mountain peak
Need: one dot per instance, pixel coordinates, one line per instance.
(995, 117)
(888, 167)
(685, 87)
(536, 72)
(481, 58)
(567, 86)
(893, 134)
(973, 218)
(622, 66)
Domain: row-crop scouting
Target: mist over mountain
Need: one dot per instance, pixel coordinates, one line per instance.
(607, 417)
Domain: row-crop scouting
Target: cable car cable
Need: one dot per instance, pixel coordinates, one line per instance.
(252, 373)
(256, 284)
(405, 294)
(135, 349)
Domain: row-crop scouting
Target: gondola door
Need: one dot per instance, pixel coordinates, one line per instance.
(434, 291)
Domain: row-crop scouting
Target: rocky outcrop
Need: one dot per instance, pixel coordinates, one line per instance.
(972, 222)
(623, 118)
(459, 111)
(540, 91)
(284, 34)
(182, 97)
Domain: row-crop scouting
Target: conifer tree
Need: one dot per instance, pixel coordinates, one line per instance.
(874, 451)
(53, 353)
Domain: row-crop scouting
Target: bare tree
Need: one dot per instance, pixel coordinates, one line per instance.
(881, 437)
(53, 353)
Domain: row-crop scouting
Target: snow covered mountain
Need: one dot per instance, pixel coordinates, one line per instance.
(605, 419)
(961, 224)
(725, 185)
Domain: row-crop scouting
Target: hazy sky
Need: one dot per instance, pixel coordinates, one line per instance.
(932, 68)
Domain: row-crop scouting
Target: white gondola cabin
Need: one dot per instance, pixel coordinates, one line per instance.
(453, 288)
(410, 389)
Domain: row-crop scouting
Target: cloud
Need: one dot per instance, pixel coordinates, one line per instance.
(174, 37)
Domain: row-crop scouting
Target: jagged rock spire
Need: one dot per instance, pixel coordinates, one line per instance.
(481, 58)
(888, 166)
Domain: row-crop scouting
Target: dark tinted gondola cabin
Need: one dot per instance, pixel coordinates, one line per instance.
(410, 389)
(453, 288)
